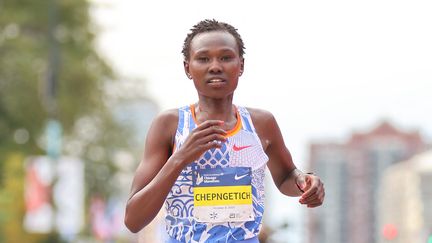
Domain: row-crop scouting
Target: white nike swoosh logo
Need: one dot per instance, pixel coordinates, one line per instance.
(237, 177)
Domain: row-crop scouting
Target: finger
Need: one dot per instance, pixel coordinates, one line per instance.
(209, 123)
(312, 187)
(209, 130)
(309, 192)
(213, 138)
(313, 205)
(309, 200)
(200, 138)
(210, 145)
(212, 130)
(316, 198)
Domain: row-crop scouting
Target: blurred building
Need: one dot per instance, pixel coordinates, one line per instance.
(134, 108)
(329, 223)
(405, 200)
(351, 172)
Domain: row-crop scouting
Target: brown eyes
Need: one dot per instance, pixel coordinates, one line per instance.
(206, 59)
(203, 59)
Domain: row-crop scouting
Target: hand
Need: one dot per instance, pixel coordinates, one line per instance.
(205, 136)
(312, 188)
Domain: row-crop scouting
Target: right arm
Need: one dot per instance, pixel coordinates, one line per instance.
(159, 169)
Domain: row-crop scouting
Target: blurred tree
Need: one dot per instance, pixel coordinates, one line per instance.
(12, 202)
(89, 128)
(12, 199)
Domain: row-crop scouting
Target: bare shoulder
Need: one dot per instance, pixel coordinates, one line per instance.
(164, 125)
(168, 117)
(260, 117)
(265, 125)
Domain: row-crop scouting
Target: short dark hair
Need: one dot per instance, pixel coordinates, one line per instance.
(209, 25)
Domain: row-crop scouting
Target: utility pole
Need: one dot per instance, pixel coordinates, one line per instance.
(53, 126)
(53, 61)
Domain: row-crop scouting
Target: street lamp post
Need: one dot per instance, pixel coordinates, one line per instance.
(53, 132)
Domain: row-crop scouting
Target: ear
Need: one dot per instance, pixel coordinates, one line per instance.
(241, 67)
(186, 69)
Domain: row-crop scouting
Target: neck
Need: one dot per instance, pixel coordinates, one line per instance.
(211, 109)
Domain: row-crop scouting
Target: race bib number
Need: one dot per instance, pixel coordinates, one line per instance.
(223, 194)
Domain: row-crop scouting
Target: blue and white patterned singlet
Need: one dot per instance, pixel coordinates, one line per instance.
(180, 222)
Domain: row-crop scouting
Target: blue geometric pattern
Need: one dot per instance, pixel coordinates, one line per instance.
(180, 223)
(215, 158)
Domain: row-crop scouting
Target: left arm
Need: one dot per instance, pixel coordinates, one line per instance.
(287, 178)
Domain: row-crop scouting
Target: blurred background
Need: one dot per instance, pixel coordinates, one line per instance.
(349, 82)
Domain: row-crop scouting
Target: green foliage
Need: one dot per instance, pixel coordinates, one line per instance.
(24, 55)
(12, 203)
(24, 50)
(80, 97)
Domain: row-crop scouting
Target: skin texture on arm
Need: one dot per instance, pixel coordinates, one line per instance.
(159, 169)
(154, 175)
(287, 178)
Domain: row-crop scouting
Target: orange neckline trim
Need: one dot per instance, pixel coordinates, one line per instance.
(231, 132)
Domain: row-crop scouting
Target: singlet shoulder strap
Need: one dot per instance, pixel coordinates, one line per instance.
(185, 122)
(185, 125)
(246, 119)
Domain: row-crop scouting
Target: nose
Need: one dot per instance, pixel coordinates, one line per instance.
(215, 66)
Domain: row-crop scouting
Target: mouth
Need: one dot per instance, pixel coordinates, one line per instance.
(216, 81)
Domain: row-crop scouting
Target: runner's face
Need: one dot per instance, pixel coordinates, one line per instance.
(214, 64)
